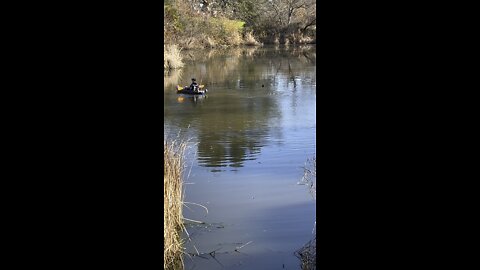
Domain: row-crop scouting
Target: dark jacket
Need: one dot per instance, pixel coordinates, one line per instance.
(194, 86)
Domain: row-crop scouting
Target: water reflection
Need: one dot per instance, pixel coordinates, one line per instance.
(237, 133)
(172, 78)
(247, 89)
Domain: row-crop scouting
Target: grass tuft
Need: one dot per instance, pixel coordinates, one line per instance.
(172, 57)
(250, 40)
(173, 154)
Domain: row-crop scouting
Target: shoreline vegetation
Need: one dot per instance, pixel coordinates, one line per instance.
(232, 60)
(172, 57)
(199, 24)
(308, 253)
(173, 155)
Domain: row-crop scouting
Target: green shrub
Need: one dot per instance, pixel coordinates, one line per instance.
(192, 30)
(227, 32)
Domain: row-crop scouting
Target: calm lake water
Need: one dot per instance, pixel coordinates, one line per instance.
(249, 141)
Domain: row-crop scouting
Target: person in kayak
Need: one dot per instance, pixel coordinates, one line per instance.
(194, 85)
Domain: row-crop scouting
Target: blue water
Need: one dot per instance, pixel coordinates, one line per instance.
(249, 141)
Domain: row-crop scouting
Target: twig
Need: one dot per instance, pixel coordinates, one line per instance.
(217, 261)
(190, 239)
(200, 222)
(237, 248)
(206, 209)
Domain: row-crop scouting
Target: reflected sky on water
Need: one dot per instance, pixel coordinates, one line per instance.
(256, 97)
(248, 142)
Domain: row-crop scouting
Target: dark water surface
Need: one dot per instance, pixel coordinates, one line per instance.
(249, 140)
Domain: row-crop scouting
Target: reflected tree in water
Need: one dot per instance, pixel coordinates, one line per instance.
(241, 123)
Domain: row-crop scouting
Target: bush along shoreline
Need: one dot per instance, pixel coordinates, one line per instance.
(193, 25)
(172, 57)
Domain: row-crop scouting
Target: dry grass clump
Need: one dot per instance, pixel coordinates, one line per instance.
(276, 40)
(299, 38)
(210, 43)
(250, 40)
(235, 39)
(172, 57)
(172, 204)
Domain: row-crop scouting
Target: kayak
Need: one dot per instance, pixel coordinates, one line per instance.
(187, 91)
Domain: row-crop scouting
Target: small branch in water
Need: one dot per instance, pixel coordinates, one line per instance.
(213, 252)
(237, 248)
(196, 250)
(190, 239)
(196, 221)
(206, 209)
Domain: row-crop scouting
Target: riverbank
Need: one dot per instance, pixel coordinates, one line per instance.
(172, 204)
(308, 253)
(190, 29)
(192, 25)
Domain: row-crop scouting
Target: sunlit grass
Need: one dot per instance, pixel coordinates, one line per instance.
(172, 204)
(172, 57)
(250, 40)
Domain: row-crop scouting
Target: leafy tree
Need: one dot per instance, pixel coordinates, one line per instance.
(266, 19)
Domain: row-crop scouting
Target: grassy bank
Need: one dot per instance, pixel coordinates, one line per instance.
(189, 25)
(190, 29)
(216, 24)
(208, 32)
(172, 204)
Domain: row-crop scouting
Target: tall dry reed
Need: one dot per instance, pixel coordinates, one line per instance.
(172, 57)
(250, 40)
(173, 154)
